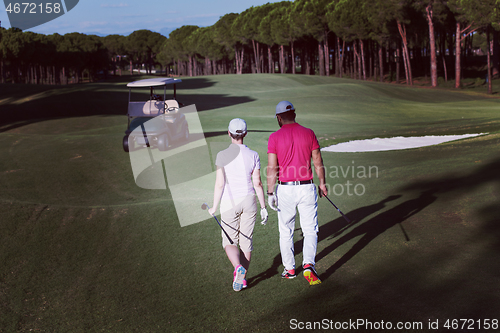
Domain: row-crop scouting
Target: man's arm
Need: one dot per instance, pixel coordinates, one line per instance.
(320, 170)
(272, 172)
(272, 175)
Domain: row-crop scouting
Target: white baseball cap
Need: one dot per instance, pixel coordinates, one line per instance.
(284, 106)
(237, 126)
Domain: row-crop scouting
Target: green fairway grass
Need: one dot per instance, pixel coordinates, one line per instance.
(84, 249)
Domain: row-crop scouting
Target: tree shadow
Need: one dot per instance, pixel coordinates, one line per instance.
(453, 183)
(19, 108)
(213, 101)
(224, 133)
(193, 83)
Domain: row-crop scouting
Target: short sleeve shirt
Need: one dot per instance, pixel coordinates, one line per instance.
(238, 162)
(293, 145)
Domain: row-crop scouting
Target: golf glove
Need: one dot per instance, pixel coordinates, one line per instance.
(264, 216)
(272, 200)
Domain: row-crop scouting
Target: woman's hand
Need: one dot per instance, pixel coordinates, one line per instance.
(211, 211)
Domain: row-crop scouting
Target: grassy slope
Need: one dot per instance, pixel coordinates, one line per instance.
(84, 249)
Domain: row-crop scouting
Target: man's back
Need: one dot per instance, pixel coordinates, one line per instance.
(293, 145)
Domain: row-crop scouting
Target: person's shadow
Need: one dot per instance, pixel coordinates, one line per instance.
(485, 173)
(338, 226)
(374, 227)
(330, 230)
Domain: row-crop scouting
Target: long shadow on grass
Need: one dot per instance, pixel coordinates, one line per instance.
(273, 270)
(329, 230)
(375, 226)
(339, 226)
(429, 193)
(420, 286)
(369, 229)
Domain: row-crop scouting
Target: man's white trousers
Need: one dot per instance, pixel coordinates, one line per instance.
(304, 199)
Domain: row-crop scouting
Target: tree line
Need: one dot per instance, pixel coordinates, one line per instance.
(27, 57)
(362, 39)
(392, 40)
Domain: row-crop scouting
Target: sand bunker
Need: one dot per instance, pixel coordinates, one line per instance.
(396, 143)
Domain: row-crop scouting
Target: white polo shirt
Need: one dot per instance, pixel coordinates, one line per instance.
(238, 162)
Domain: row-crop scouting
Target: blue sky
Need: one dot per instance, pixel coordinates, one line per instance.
(104, 17)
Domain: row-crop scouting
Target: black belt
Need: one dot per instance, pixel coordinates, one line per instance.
(297, 182)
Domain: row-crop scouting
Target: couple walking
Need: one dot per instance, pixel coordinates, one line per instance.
(290, 188)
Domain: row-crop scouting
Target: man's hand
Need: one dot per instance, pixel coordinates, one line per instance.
(272, 200)
(264, 216)
(323, 191)
(320, 171)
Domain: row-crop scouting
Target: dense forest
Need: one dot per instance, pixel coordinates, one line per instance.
(386, 40)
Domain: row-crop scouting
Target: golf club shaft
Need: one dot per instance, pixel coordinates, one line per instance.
(225, 233)
(345, 217)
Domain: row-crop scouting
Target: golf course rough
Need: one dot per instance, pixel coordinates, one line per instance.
(83, 248)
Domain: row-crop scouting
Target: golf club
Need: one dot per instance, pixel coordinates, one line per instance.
(205, 207)
(322, 195)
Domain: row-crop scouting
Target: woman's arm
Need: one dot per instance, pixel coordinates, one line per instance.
(259, 189)
(220, 180)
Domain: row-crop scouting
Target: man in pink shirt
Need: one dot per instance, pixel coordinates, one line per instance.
(289, 151)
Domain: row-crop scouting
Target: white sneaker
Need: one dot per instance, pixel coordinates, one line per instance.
(238, 277)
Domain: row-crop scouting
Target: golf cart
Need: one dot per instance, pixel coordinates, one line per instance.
(165, 122)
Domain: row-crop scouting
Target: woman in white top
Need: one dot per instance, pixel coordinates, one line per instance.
(237, 182)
